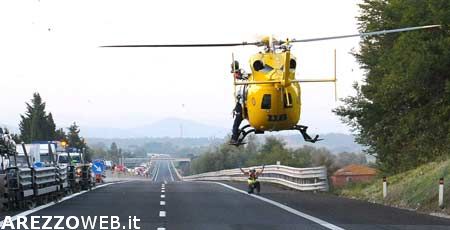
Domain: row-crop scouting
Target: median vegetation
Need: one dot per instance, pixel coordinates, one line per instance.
(226, 156)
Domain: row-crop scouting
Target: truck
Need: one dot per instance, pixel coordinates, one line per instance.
(79, 172)
(31, 177)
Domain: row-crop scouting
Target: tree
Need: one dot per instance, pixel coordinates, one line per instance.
(324, 158)
(401, 111)
(50, 127)
(343, 159)
(114, 153)
(271, 151)
(74, 140)
(73, 137)
(35, 124)
(60, 135)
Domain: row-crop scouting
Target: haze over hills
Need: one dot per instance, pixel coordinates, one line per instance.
(169, 127)
(198, 134)
(335, 142)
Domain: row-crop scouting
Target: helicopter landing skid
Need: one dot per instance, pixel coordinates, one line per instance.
(243, 132)
(305, 135)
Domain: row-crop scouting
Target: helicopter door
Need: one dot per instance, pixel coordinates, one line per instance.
(266, 102)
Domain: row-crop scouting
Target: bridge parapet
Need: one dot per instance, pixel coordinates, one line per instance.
(175, 159)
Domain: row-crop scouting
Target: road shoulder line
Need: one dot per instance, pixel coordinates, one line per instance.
(284, 207)
(28, 212)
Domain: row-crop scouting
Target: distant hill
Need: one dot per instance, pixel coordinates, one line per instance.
(335, 142)
(170, 127)
(202, 134)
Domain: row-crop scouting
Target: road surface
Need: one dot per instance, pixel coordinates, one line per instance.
(164, 202)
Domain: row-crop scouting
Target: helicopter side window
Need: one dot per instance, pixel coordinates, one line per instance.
(285, 102)
(258, 65)
(266, 101)
(293, 64)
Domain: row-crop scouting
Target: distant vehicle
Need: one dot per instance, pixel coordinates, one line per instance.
(63, 158)
(139, 171)
(108, 164)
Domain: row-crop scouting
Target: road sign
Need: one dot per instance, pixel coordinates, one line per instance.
(98, 167)
(38, 164)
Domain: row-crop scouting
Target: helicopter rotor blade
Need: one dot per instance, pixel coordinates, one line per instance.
(188, 45)
(381, 32)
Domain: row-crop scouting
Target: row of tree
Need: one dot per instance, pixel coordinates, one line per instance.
(38, 125)
(113, 153)
(271, 151)
(402, 111)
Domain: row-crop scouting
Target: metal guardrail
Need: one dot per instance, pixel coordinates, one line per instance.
(176, 170)
(304, 179)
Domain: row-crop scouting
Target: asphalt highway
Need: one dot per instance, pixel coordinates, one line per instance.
(163, 202)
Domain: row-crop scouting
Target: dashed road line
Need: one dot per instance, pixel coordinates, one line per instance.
(162, 203)
(162, 213)
(163, 196)
(157, 171)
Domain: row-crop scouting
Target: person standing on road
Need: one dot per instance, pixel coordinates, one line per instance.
(252, 180)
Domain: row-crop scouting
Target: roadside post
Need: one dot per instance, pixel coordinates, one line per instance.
(441, 192)
(384, 187)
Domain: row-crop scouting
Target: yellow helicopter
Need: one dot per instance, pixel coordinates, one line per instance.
(269, 97)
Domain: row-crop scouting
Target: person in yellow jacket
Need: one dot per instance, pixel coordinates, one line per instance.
(252, 180)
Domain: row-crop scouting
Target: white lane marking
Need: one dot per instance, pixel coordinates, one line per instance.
(157, 171)
(287, 208)
(162, 213)
(163, 196)
(163, 191)
(162, 203)
(165, 182)
(161, 229)
(170, 171)
(176, 171)
(28, 212)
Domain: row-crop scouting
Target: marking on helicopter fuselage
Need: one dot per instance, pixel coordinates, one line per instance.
(281, 117)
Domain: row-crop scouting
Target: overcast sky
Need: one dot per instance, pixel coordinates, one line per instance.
(51, 47)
